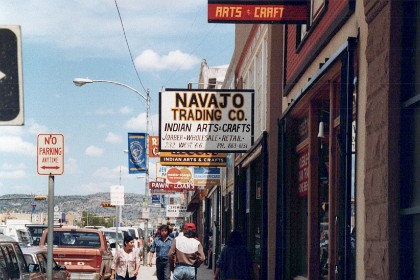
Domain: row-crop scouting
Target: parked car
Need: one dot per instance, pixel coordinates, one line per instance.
(18, 232)
(37, 256)
(85, 252)
(36, 232)
(133, 232)
(111, 238)
(12, 261)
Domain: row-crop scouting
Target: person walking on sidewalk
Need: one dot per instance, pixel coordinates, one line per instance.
(234, 261)
(186, 254)
(126, 262)
(161, 246)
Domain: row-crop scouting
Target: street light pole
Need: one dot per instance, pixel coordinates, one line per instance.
(82, 81)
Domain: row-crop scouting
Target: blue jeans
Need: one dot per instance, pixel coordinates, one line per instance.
(118, 277)
(184, 273)
(162, 269)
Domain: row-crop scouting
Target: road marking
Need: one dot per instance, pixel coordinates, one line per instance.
(2, 75)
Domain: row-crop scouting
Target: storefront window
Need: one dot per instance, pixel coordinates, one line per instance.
(323, 206)
(299, 203)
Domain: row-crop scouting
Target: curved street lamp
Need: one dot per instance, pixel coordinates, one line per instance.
(83, 81)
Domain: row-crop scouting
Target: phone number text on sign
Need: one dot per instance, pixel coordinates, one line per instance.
(199, 120)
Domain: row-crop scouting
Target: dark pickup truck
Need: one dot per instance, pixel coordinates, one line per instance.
(84, 252)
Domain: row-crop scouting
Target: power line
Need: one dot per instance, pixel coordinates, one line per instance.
(128, 46)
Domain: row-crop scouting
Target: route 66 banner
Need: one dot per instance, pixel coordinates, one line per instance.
(137, 153)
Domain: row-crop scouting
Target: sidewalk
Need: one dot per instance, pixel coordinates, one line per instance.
(204, 273)
(148, 273)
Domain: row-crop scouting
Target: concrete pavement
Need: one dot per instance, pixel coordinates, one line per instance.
(148, 273)
(204, 273)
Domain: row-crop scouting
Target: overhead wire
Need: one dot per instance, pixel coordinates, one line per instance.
(194, 49)
(132, 60)
(184, 40)
(128, 46)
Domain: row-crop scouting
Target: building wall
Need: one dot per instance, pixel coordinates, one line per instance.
(382, 123)
(274, 93)
(296, 59)
(376, 26)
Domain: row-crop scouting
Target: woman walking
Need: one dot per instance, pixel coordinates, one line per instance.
(234, 261)
(126, 262)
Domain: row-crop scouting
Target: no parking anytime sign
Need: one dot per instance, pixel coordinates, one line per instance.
(50, 154)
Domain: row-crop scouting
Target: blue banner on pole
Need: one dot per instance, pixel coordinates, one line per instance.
(137, 152)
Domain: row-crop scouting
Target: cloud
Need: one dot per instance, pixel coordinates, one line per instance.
(14, 144)
(71, 166)
(12, 171)
(97, 31)
(12, 174)
(11, 130)
(35, 128)
(94, 151)
(125, 110)
(149, 60)
(139, 123)
(111, 173)
(103, 112)
(113, 138)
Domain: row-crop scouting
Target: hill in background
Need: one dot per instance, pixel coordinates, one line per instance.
(18, 203)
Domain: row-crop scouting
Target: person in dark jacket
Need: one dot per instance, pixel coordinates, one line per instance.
(234, 261)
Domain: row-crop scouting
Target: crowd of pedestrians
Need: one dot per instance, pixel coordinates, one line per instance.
(178, 255)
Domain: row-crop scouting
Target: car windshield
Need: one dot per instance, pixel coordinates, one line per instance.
(36, 231)
(132, 232)
(76, 239)
(111, 235)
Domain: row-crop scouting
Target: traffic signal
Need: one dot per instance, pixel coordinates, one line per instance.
(107, 204)
(40, 197)
(11, 88)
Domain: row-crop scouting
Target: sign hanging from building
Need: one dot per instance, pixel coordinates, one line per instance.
(160, 188)
(274, 11)
(50, 154)
(137, 153)
(161, 171)
(167, 188)
(207, 177)
(175, 210)
(154, 146)
(303, 171)
(193, 159)
(202, 120)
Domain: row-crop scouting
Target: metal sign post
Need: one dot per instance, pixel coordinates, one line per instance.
(50, 161)
(50, 236)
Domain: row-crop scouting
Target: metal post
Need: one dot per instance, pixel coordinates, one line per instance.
(146, 190)
(50, 237)
(117, 224)
(146, 238)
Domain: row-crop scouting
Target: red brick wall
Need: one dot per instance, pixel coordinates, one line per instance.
(296, 59)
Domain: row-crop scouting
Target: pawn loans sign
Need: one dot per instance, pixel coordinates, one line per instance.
(50, 154)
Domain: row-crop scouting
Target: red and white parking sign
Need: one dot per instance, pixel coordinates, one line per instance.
(50, 154)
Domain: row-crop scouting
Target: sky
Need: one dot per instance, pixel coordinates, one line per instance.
(63, 40)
